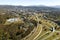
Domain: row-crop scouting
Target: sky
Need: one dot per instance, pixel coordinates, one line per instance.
(30, 2)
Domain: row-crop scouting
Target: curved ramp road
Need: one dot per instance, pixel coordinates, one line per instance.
(37, 32)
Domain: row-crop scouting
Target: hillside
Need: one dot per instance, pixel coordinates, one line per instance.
(29, 23)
